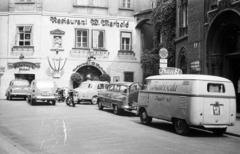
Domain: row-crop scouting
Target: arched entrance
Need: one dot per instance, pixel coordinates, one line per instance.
(92, 70)
(223, 48)
(182, 60)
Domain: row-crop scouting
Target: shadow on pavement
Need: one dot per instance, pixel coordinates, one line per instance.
(168, 127)
(124, 113)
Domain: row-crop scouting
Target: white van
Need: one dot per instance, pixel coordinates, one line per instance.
(189, 100)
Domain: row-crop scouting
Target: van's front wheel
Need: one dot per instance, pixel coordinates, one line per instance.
(181, 127)
(145, 119)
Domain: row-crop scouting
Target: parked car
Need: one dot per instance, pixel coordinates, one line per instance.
(89, 90)
(17, 88)
(42, 90)
(119, 96)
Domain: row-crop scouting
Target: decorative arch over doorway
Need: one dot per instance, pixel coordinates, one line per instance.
(92, 69)
(182, 60)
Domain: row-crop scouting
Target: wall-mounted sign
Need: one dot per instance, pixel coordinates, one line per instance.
(195, 66)
(163, 53)
(169, 71)
(24, 66)
(92, 22)
(57, 64)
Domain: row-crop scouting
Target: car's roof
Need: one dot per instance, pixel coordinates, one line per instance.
(188, 77)
(94, 82)
(123, 83)
(19, 80)
(47, 80)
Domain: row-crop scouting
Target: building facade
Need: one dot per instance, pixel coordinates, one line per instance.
(42, 39)
(208, 39)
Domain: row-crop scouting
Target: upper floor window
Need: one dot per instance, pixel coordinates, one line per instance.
(101, 3)
(183, 18)
(126, 4)
(98, 39)
(126, 40)
(81, 38)
(128, 77)
(24, 36)
(26, 0)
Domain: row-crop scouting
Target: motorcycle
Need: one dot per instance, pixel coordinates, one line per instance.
(61, 96)
(72, 98)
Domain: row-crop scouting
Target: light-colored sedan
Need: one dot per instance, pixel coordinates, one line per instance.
(89, 90)
(17, 88)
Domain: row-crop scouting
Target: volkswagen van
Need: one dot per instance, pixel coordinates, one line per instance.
(42, 91)
(189, 101)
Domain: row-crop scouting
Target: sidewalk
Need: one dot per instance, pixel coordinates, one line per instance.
(234, 130)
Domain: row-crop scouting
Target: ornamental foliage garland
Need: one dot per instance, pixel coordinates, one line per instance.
(164, 22)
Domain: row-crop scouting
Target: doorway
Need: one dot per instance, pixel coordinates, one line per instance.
(234, 76)
(29, 77)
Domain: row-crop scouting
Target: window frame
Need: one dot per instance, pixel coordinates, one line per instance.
(124, 74)
(121, 42)
(26, 1)
(76, 39)
(124, 4)
(104, 39)
(183, 22)
(18, 35)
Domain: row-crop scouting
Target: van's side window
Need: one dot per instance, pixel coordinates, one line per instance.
(215, 88)
(110, 87)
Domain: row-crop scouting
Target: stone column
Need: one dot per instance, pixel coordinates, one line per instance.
(216, 63)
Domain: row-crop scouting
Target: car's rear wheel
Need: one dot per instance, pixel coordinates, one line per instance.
(116, 110)
(100, 107)
(145, 119)
(94, 100)
(181, 127)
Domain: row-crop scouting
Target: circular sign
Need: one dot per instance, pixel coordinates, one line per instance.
(163, 53)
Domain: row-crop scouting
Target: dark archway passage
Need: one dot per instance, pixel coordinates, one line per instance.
(223, 48)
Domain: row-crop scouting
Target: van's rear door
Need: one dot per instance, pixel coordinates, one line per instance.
(216, 111)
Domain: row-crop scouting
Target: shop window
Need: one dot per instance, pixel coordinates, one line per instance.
(126, 39)
(128, 77)
(24, 36)
(183, 18)
(126, 4)
(98, 37)
(81, 38)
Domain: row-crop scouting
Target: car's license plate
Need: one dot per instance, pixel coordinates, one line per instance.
(216, 110)
(45, 94)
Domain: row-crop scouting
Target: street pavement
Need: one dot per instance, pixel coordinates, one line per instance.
(7, 146)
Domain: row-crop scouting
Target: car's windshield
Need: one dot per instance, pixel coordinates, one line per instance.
(20, 83)
(45, 84)
(85, 86)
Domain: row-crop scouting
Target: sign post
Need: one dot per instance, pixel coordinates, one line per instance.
(163, 53)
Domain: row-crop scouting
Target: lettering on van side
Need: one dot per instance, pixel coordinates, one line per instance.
(163, 98)
(164, 87)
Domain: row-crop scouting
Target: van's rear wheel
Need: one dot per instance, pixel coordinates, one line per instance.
(219, 131)
(181, 127)
(145, 119)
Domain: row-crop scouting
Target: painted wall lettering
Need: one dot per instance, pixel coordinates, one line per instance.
(92, 22)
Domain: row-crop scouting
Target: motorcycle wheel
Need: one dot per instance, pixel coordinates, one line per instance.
(67, 101)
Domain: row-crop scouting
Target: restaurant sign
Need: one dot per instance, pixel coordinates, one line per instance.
(92, 22)
(169, 71)
(24, 66)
